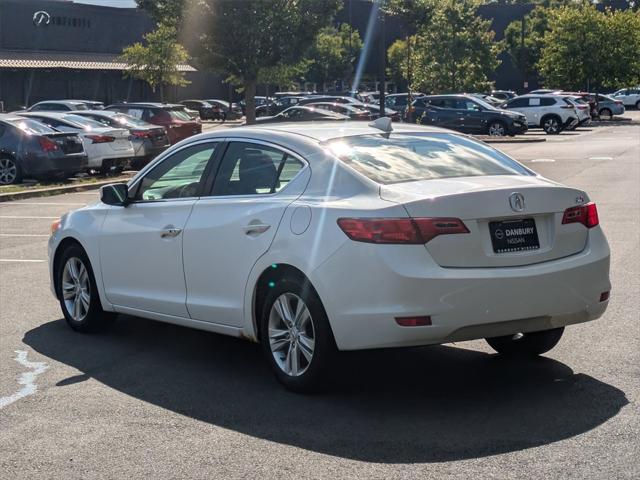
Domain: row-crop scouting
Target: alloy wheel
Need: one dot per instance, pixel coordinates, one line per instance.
(76, 289)
(551, 125)
(291, 334)
(8, 171)
(497, 130)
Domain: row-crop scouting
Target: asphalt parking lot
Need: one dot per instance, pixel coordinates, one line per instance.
(161, 401)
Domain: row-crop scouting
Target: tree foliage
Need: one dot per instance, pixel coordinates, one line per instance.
(525, 45)
(280, 33)
(157, 60)
(588, 49)
(399, 59)
(456, 51)
(168, 12)
(333, 54)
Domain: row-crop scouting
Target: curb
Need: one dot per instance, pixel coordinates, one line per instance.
(45, 192)
(486, 139)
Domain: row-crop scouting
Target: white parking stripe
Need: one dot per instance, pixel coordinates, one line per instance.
(86, 193)
(28, 217)
(20, 260)
(27, 379)
(23, 235)
(543, 160)
(11, 204)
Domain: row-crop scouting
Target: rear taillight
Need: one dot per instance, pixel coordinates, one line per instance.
(570, 107)
(399, 230)
(101, 138)
(618, 102)
(585, 214)
(47, 144)
(141, 134)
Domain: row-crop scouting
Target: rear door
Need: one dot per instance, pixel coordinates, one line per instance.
(474, 116)
(235, 224)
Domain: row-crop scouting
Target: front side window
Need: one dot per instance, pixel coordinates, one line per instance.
(251, 169)
(177, 176)
(412, 157)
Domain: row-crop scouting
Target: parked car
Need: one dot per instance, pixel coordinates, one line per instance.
(503, 94)
(279, 95)
(92, 104)
(305, 113)
(57, 106)
(148, 140)
(583, 109)
(205, 110)
(107, 148)
(232, 112)
(630, 97)
(371, 107)
(469, 114)
(170, 116)
(398, 101)
(552, 113)
(277, 106)
(607, 106)
(259, 101)
(30, 149)
(354, 112)
(311, 239)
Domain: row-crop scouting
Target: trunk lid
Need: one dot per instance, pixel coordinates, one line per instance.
(69, 143)
(483, 204)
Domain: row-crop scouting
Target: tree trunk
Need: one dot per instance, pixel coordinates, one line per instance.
(250, 99)
(161, 92)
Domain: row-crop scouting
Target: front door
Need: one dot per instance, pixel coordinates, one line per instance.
(232, 227)
(141, 245)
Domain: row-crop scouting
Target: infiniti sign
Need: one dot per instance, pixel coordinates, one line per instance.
(41, 18)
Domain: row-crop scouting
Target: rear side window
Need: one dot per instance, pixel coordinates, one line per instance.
(547, 102)
(412, 157)
(252, 169)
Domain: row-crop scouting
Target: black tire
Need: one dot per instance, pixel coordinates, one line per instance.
(638, 105)
(95, 318)
(605, 114)
(527, 344)
(10, 171)
(497, 129)
(314, 376)
(551, 125)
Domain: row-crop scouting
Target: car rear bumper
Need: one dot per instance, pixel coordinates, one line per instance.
(517, 128)
(403, 281)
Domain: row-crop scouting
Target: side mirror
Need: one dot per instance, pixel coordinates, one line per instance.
(116, 194)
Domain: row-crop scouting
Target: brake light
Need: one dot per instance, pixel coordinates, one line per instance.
(585, 214)
(413, 321)
(101, 138)
(140, 134)
(47, 144)
(570, 107)
(411, 231)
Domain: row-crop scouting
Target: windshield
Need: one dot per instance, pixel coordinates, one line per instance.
(410, 157)
(129, 121)
(32, 127)
(87, 123)
(180, 115)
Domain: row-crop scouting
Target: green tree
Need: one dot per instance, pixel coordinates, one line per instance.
(524, 40)
(280, 33)
(157, 60)
(456, 51)
(399, 58)
(589, 49)
(333, 53)
(168, 12)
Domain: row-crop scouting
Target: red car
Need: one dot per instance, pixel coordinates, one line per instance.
(178, 124)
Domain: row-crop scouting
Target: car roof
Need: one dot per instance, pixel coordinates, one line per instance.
(146, 105)
(61, 101)
(106, 113)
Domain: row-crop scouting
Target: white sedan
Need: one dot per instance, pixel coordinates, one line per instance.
(312, 238)
(107, 148)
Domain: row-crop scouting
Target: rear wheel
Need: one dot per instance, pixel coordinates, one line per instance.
(296, 337)
(605, 114)
(638, 105)
(551, 125)
(10, 171)
(497, 129)
(77, 292)
(526, 344)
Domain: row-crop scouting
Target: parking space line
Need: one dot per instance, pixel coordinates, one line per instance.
(20, 260)
(28, 217)
(23, 235)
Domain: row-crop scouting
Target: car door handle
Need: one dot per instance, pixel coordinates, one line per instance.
(256, 228)
(170, 232)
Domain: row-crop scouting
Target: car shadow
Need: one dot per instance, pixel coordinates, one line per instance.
(429, 404)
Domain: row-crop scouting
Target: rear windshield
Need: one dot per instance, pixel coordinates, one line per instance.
(422, 156)
(32, 127)
(180, 115)
(129, 121)
(87, 123)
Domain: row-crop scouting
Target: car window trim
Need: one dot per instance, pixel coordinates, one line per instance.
(208, 193)
(133, 188)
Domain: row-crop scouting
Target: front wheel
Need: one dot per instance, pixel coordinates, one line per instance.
(296, 337)
(77, 292)
(10, 171)
(497, 129)
(605, 114)
(551, 125)
(526, 344)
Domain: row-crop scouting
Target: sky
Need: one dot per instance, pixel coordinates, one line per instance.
(110, 3)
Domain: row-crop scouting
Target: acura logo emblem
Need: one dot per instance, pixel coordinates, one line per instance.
(516, 200)
(41, 18)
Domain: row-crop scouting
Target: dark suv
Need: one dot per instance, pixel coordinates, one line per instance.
(172, 117)
(468, 114)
